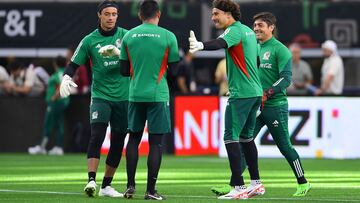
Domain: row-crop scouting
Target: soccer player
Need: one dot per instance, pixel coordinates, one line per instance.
(54, 116)
(245, 94)
(147, 51)
(109, 95)
(275, 76)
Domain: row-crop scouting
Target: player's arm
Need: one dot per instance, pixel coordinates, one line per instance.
(71, 69)
(283, 82)
(215, 44)
(125, 68)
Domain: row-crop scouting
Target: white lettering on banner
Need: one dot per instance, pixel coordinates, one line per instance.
(215, 129)
(200, 133)
(15, 26)
(319, 127)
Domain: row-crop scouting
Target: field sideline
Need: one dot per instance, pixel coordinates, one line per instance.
(25, 178)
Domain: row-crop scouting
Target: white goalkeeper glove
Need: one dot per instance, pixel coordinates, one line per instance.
(109, 51)
(194, 44)
(66, 85)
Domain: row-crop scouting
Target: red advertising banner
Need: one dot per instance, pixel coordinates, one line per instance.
(143, 148)
(196, 127)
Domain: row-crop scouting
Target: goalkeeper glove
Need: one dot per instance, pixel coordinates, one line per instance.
(66, 85)
(109, 51)
(194, 44)
(266, 95)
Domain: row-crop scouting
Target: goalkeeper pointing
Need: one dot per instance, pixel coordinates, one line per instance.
(109, 95)
(275, 76)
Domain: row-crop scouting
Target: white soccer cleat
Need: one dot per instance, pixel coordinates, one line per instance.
(58, 151)
(255, 190)
(90, 189)
(36, 150)
(235, 194)
(109, 191)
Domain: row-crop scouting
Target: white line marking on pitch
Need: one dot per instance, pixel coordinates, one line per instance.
(188, 197)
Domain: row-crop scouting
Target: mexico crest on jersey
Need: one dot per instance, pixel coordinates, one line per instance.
(118, 43)
(266, 55)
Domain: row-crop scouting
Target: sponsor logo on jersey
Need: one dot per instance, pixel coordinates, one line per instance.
(98, 46)
(249, 33)
(266, 55)
(94, 115)
(145, 35)
(110, 63)
(266, 65)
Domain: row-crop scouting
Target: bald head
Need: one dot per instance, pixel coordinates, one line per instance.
(296, 52)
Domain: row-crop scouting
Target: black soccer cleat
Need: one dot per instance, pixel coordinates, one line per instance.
(129, 192)
(155, 196)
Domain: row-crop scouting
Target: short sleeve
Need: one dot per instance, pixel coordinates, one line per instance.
(124, 52)
(81, 53)
(173, 49)
(231, 36)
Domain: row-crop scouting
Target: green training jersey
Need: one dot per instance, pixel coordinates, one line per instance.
(149, 48)
(241, 61)
(53, 83)
(107, 82)
(274, 59)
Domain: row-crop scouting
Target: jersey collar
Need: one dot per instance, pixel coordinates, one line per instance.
(107, 33)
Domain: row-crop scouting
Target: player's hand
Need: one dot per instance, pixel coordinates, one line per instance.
(194, 44)
(266, 95)
(66, 85)
(109, 51)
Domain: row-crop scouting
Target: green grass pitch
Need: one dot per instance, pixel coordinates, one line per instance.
(50, 179)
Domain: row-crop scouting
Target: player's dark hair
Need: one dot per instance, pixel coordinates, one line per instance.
(267, 17)
(15, 65)
(107, 3)
(60, 61)
(148, 9)
(228, 6)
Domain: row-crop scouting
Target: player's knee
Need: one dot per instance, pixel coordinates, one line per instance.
(156, 140)
(98, 131)
(246, 140)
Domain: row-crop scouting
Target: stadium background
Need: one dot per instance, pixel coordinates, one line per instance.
(44, 29)
(321, 127)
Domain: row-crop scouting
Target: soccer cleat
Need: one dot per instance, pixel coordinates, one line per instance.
(36, 150)
(109, 191)
(90, 189)
(129, 192)
(235, 194)
(58, 151)
(221, 190)
(255, 190)
(155, 196)
(302, 190)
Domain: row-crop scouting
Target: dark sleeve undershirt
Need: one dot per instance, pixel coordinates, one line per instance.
(215, 44)
(71, 69)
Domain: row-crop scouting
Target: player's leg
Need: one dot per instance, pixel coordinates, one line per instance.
(136, 123)
(250, 150)
(118, 123)
(47, 128)
(277, 121)
(99, 118)
(235, 118)
(159, 124)
(221, 190)
(59, 109)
